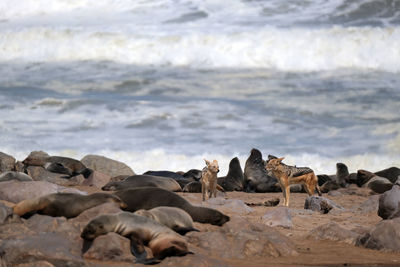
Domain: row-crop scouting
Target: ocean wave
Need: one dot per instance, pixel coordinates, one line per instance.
(281, 49)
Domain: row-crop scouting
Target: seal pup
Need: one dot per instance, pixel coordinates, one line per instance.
(209, 179)
(234, 180)
(256, 178)
(143, 181)
(68, 205)
(293, 175)
(141, 231)
(64, 165)
(151, 197)
(174, 218)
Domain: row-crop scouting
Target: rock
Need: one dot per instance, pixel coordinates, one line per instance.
(384, 236)
(278, 217)
(332, 231)
(242, 243)
(7, 162)
(378, 184)
(97, 179)
(370, 205)
(268, 203)
(53, 247)
(12, 175)
(107, 166)
(35, 264)
(15, 191)
(228, 205)
(110, 247)
(320, 204)
(389, 203)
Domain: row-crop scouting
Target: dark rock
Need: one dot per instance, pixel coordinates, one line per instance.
(320, 204)
(334, 193)
(110, 247)
(106, 165)
(7, 162)
(278, 217)
(384, 236)
(332, 231)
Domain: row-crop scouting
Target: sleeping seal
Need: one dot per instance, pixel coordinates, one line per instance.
(143, 181)
(174, 218)
(141, 231)
(68, 205)
(151, 197)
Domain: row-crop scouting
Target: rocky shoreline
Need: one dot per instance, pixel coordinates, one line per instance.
(341, 227)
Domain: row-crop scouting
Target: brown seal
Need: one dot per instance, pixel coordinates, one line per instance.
(151, 197)
(68, 205)
(144, 181)
(234, 180)
(174, 218)
(142, 231)
(57, 164)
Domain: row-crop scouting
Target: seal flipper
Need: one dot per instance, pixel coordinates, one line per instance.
(137, 249)
(184, 230)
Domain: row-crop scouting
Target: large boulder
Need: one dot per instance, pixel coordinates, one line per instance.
(110, 247)
(370, 205)
(389, 202)
(15, 191)
(106, 165)
(228, 205)
(244, 240)
(7, 162)
(97, 179)
(384, 236)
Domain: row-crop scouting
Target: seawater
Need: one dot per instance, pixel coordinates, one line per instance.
(164, 84)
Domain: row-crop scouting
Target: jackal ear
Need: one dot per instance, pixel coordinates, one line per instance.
(207, 162)
(280, 159)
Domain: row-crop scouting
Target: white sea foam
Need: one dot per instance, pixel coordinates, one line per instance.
(159, 159)
(282, 49)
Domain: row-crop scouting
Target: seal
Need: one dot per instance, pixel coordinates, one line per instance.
(256, 178)
(63, 165)
(68, 205)
(141, 231)
(168, 174)
(192, 187)
(391, 173)
(144, 181)
(151, 197)
(174, 218)
(234, 180)
(389, 202)
(342, 174)
(11, 175)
